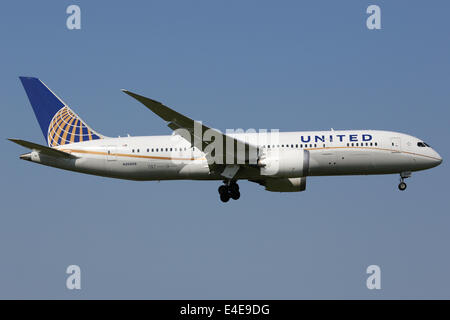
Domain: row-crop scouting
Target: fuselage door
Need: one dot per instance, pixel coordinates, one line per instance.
(396, 144)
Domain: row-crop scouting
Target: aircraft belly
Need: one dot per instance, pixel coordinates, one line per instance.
(391, 162)
(92, 165)
(323, 163)
(357, 161)
(87, 165)
(195, 170)
(154, 169)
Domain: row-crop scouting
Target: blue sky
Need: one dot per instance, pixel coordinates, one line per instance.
(288, 65)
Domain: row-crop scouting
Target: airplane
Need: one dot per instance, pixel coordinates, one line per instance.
(279, 161)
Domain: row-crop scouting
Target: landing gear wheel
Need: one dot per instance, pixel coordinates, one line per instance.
(234, 187)
(235, 195)
(230, 189)
(223, 189)
(403, 176)
(402, 186)
(225, 197)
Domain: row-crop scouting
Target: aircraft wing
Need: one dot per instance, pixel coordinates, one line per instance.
(43, 149)
(196, 131)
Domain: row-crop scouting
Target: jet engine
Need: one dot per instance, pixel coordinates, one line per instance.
(285, 184)
(284, 163)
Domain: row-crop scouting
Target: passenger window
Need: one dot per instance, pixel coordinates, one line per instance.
(376, 143)
(132, 150)
(296, 145)
(148, 150)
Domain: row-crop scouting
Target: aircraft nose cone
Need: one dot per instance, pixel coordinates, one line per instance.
(438, 158)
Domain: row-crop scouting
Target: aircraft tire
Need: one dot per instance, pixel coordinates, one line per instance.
(235, 195)
(223, 189)
(224, 197)
(402, 186)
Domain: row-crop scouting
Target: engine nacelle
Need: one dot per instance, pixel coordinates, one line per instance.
(286, 184)
(285, 163)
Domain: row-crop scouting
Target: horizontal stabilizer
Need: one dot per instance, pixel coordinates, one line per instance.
(43, 149)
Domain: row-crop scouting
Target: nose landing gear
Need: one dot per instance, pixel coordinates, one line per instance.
(402, 185)
(230, 189)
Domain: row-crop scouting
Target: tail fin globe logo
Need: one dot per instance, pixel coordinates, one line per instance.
(66, 127)
(59, 124)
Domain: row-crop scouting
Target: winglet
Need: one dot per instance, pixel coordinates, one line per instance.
(144, 100)
(157, 107)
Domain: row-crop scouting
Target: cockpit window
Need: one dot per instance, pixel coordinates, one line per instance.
(422, 144)
(426, 144)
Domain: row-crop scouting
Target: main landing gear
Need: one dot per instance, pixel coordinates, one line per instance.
(402, 184)
(230, 189)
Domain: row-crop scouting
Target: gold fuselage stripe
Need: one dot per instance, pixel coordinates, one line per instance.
(202, 158)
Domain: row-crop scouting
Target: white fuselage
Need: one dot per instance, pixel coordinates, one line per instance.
(171, 157)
